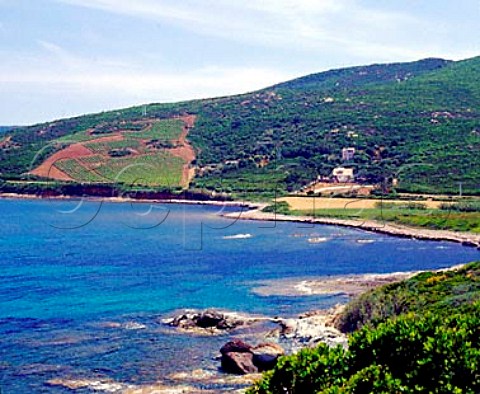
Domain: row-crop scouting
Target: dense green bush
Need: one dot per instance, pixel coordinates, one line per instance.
(439, 292)
(402, 205)
(280, 207)
(410, 354)
(418, 336)
(472, 206)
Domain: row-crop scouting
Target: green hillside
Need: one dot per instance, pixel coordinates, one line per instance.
(4, 129)
(418, 122)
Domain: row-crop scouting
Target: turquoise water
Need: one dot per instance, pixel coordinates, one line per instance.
(72, 274)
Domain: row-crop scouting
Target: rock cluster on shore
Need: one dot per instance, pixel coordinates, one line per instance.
(291, 335)
(309, 329)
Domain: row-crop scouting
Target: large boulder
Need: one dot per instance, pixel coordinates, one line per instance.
(239, 357)
(236, 346)
(240, 363)
(210, 319)
(265, 355)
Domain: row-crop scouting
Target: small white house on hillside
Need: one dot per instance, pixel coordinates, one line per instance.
(343, 175)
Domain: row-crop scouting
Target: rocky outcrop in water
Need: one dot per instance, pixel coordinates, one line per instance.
(241, 358)
(209, 321)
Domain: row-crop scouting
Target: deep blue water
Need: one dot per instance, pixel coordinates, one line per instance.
(70, 271)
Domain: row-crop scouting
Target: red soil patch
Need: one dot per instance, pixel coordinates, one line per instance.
(5, 142)
(48, 170)
(189, 120)
(75, 151)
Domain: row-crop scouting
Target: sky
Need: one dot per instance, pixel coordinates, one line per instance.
(60, 58)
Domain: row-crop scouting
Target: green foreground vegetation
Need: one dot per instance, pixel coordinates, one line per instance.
(421, 335)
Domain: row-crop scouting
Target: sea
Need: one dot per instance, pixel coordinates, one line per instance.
(85, 285)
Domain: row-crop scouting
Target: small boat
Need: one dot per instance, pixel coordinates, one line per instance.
(238, 236)
(317, 240)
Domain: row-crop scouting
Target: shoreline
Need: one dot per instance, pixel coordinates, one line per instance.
(291, 333)
(228, 203)
(387, 228)
(254, 212)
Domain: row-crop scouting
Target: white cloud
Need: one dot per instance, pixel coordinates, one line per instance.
(201, 83)
(340, 25)
(59, 68)
(50, 95)
(316, 32)
(331, 28)
(61, 76)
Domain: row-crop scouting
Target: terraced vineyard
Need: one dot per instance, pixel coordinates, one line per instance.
(74, 169)
(105, 147)
(147, 153)
(160, 169)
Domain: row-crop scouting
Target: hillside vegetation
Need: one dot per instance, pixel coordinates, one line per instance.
(418, 336)
(418, 122)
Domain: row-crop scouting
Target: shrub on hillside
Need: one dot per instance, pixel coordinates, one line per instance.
(473, 206)
(439, 292)
(409, 354)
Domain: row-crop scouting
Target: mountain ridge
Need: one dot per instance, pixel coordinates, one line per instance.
(405, 120)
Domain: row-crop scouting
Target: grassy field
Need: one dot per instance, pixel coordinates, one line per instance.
(310, 203)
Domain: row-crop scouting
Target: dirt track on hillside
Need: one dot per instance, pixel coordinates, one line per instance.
(185, 151)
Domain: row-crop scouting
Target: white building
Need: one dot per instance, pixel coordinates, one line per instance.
(343, 175)
(348, 154)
